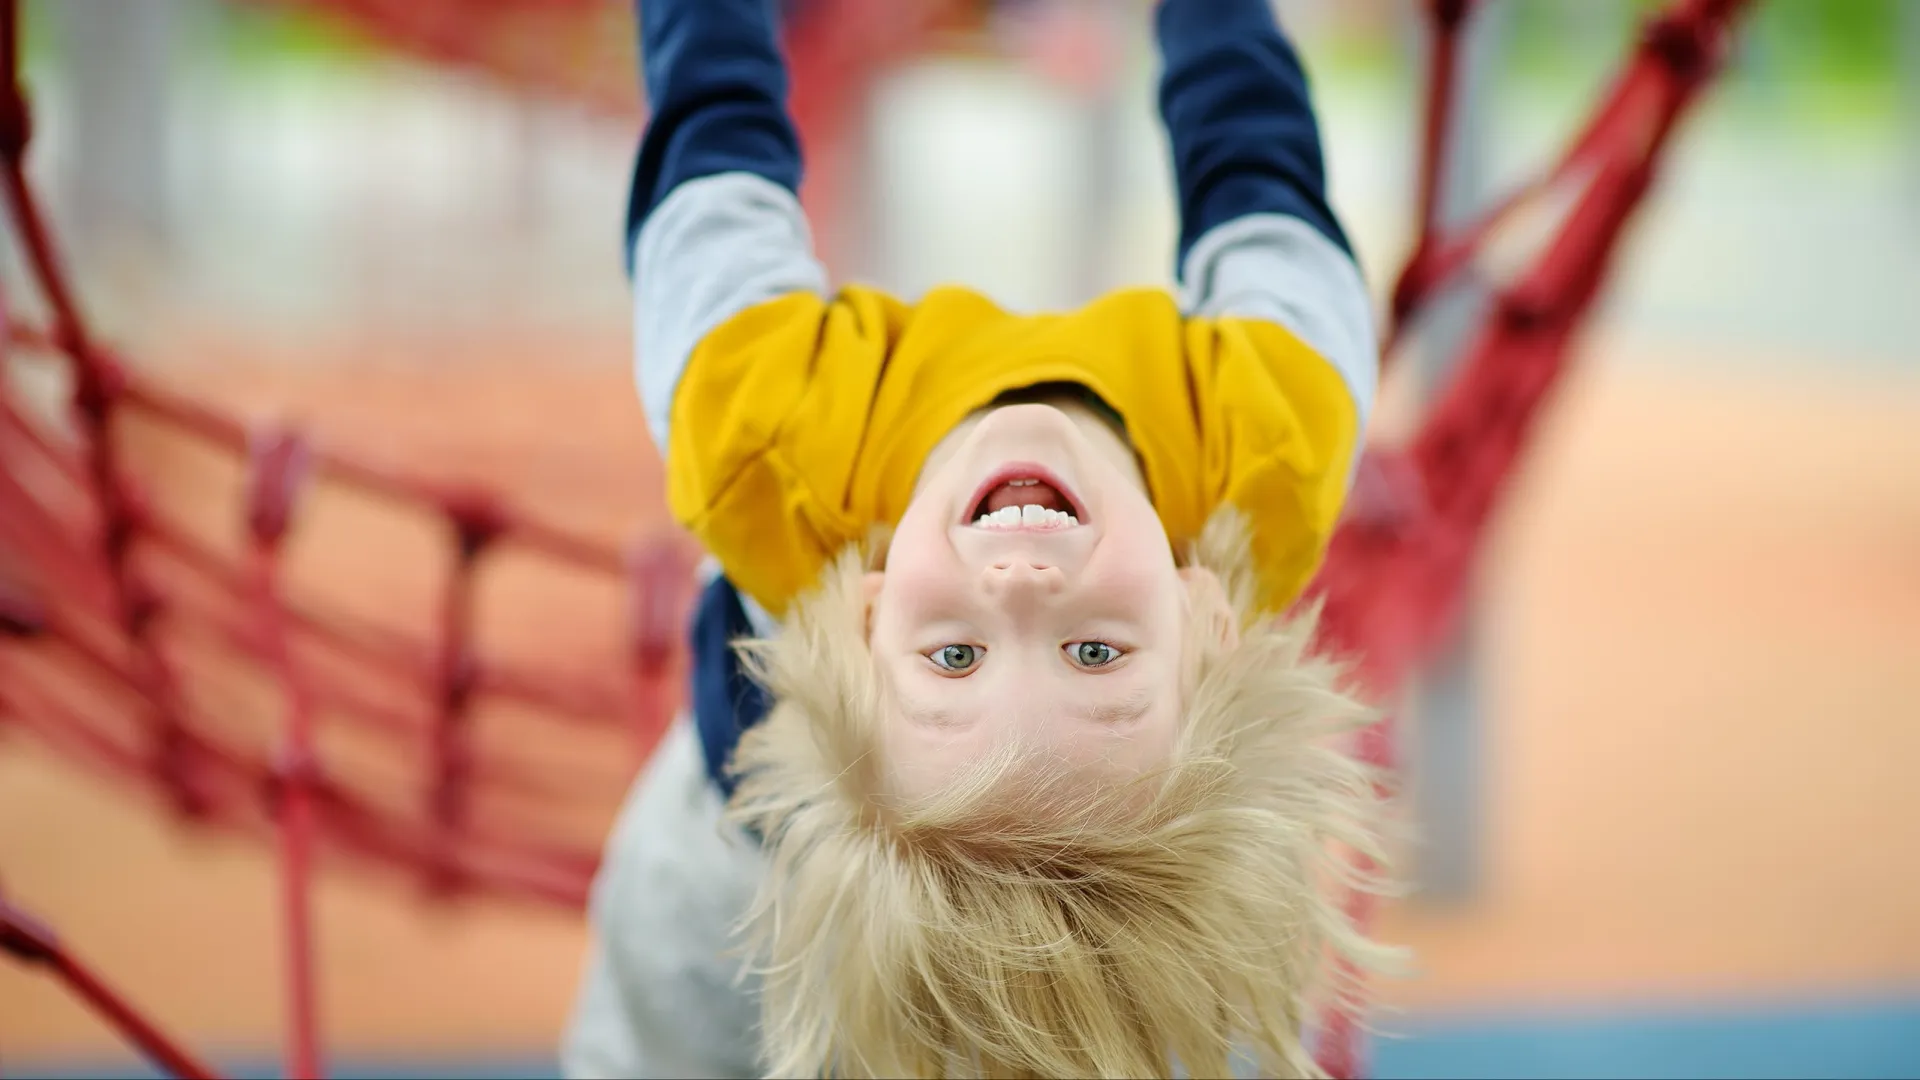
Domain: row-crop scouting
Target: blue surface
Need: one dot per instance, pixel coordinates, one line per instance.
(1857, 1040)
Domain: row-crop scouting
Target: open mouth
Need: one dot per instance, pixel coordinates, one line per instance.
(1026, 498)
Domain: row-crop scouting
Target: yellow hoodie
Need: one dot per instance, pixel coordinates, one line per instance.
(802, 421)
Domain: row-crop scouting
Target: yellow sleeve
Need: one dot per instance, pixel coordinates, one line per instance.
(766, 425)
(1280, 431)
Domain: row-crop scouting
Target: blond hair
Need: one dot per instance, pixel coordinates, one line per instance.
(1051, 929)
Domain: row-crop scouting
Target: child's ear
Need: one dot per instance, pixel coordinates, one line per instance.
(870, 583)
(1207, 600)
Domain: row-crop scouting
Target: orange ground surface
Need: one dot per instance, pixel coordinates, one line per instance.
(1702, 616)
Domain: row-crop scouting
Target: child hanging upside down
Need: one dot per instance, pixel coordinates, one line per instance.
(999, 760)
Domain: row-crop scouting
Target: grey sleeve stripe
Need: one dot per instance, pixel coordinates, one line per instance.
(1282, 270)
(713, 248)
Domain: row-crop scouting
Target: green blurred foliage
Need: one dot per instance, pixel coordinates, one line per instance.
(253, 34)
(1825, 63)
(243, 35)
(1825, 39)
(1834, 38)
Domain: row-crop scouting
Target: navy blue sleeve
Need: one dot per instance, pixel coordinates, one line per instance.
(716, 85)
(1239, 119)
(725, 699)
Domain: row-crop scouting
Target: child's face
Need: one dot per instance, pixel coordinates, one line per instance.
(1062, 627)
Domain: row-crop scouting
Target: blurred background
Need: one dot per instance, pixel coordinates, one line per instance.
(1668, 824)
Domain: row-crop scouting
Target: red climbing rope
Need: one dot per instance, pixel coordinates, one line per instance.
(31, 942)
(1395, 575)
(90, 570)
(109, 604)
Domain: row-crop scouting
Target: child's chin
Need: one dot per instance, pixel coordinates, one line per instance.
(1026, 430)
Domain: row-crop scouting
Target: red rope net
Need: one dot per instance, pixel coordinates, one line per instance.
(99, 582)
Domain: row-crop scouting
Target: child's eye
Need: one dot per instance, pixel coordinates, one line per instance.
(1093, 653)
(955, 658)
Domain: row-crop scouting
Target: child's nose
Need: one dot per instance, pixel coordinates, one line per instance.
(1008, 579)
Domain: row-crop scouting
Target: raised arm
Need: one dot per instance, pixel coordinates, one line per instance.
(1257, 237)
(713, 221)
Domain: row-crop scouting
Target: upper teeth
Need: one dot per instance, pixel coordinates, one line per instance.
(1025, 517)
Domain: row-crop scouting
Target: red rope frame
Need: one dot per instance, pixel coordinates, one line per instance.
(31, 942)
(74, 598)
